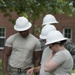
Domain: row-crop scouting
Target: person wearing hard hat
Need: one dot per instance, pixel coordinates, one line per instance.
(50, 19)
(44, 32)
(46, 52)
(60, 61)
(20, 48)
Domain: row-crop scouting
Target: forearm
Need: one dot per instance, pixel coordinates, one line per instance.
(4, 63)
(49, 64)
(37, 58)
(37, 69)
(6, 54)
(36, 62)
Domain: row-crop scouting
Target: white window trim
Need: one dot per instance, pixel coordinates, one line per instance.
(71, 32)
(2, 36)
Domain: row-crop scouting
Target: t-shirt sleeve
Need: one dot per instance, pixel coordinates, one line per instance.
(9, 41)
(59, 58)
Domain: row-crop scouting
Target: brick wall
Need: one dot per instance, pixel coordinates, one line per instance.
(64, 21)
(4, 22)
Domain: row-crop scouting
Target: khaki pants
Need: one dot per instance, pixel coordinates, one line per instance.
(14, 71)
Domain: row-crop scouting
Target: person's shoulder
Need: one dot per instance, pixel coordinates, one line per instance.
(11, 39)
(35, 38)
(64, 52)
(13, 35)
(47, 49)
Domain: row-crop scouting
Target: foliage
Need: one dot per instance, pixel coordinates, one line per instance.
(33, 9)
(37, 29)
(73, 71)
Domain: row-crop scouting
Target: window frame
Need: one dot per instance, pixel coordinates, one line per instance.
(69, 33)
(3, 37)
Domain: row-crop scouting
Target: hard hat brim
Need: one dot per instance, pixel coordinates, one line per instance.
(42, 37)
(22, 29)
(62, 39)
(49, 23)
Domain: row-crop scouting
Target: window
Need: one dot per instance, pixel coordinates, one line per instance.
(68, 33)
(2, 37)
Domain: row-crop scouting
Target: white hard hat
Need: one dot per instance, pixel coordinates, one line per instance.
(49, 19)
(22, 24)
(54, 36)
(45, 30)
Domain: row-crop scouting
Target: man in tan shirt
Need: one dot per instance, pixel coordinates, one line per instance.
(20, 49)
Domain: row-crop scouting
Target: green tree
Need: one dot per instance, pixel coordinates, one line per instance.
(33, 9)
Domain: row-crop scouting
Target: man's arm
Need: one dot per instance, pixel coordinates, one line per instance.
(70, 47)
(37, 58)
(34, 70)
(6, 54)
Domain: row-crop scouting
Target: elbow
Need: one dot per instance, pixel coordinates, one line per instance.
(46, 69)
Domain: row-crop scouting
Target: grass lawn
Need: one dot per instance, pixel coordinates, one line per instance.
(73, 71)
(1, 72)
(1, 67)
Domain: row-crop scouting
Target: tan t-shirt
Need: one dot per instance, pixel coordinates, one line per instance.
(22, 50)
(65, 61)
(45, 56)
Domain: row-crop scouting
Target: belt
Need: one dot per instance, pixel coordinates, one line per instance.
(19, 70)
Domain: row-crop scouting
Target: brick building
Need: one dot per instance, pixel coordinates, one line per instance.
(66, 26)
